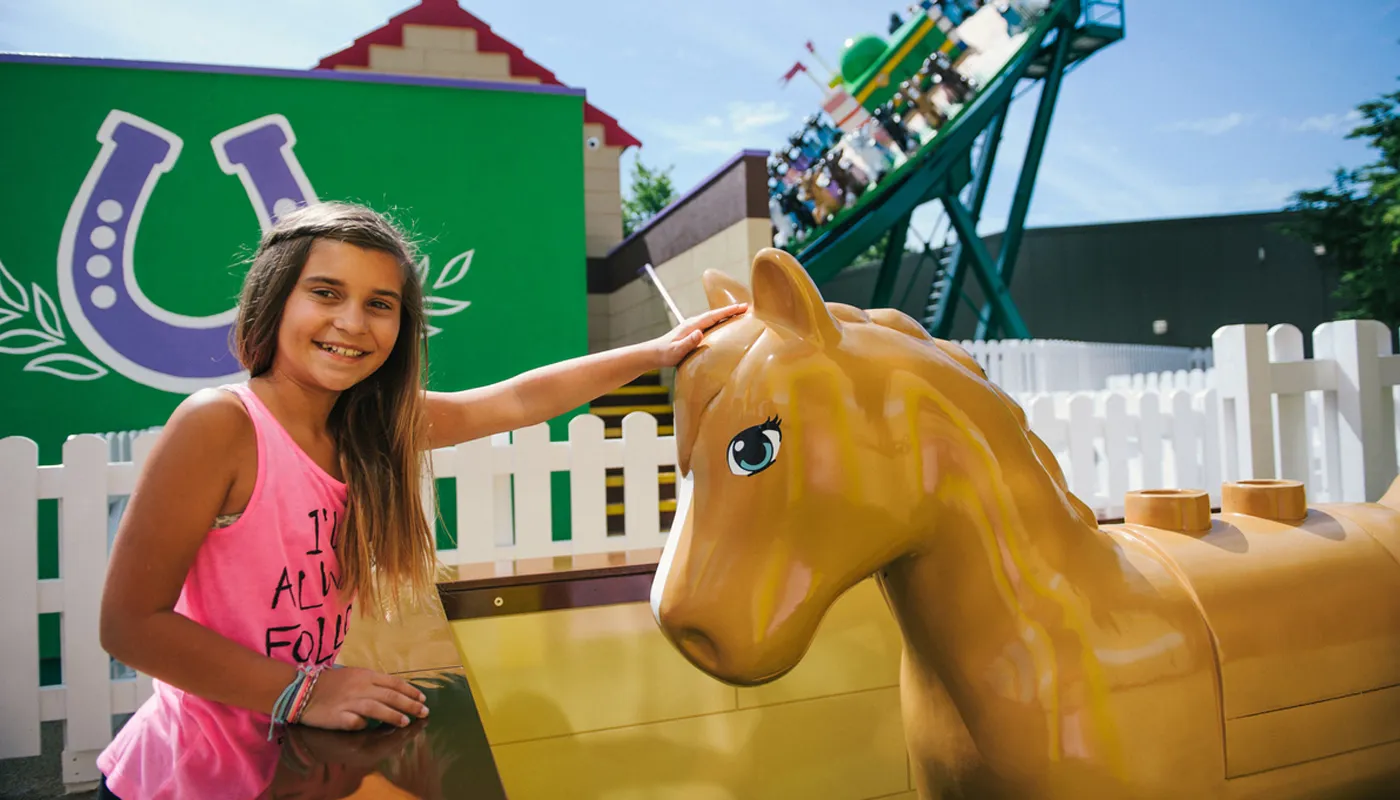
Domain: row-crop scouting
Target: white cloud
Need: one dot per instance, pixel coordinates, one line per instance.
(1102, 183)
(1211, 126)
(1331, 123)
(210, 33)
(744, 124)
(700, 138)
(749, 116)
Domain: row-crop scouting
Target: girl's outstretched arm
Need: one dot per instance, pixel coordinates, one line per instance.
(544, 393)
(182, 487)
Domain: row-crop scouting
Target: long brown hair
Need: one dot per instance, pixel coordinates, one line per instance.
(386, 550)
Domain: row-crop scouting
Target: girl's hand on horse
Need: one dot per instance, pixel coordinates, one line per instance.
(348, 698)
(672, 347)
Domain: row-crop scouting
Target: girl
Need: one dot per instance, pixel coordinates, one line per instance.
(268, 507)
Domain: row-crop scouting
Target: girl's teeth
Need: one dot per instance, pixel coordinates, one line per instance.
(340, 350)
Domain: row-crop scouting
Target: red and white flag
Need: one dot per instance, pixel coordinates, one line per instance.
(792, 73)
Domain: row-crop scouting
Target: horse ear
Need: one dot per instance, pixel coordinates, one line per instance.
(722, 290)
(784, 297)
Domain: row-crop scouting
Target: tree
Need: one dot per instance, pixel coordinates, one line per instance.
(1356, 221)
(875, 253)
(651, 191)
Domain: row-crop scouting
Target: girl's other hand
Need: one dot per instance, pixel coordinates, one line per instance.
(348, 698)
(676, 345)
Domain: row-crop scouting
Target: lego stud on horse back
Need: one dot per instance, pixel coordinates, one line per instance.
(1254, 653)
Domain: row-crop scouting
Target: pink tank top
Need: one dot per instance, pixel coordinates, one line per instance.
(269, 581)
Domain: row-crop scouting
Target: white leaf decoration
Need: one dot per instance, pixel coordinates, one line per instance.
(435, 306)
(432, 331)
(26, 340)
(47, 312)
(74, 368)
(423, 270)
(6, 315)
(11, 291)
(455, 270)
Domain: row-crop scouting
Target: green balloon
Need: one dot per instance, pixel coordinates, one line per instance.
(860, 54)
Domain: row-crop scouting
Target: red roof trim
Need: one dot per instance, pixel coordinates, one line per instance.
(448, 14)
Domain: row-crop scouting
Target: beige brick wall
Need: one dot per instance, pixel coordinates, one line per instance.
(636, 312)
(440, 52)
(400, 60)
(602, 192)
(443, 52)
(598, 340)
(433, 37)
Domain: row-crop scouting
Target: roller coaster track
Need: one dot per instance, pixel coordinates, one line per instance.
(1069, 32)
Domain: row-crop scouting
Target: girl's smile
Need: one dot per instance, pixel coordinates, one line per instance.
(342, 317)
(345, 352)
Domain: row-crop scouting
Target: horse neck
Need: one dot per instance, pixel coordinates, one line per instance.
(998, 592)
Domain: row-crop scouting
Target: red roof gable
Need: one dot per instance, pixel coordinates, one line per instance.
(448, 14)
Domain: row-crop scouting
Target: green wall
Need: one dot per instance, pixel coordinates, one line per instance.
(495, 171)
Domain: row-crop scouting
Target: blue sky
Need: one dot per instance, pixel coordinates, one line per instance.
(1208, 106)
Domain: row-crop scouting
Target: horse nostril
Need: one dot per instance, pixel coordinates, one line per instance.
(699, 648)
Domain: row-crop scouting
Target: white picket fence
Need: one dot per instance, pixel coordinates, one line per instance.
(1328, 421)
(1110, 442)
(1052, 365)
(1253, 422)
(1194, 380)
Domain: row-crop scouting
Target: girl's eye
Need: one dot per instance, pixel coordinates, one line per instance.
(382, 306)
(755, 449)
(326, 293)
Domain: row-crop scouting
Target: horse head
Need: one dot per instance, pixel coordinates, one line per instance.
(803, 427)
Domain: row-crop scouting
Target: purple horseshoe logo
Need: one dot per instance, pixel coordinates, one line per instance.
(96, 277)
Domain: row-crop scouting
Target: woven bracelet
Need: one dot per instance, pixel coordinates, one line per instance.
(284, 700)
(303, 697)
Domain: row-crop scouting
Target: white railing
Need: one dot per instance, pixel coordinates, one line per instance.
(1194, 380)
(1048, 365)
(1328, 421)
(493, 528)
(1256, 421)
(1111, 442)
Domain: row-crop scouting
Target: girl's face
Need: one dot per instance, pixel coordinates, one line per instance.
(342, 317)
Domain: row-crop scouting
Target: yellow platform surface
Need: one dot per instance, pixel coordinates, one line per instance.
(595, 703)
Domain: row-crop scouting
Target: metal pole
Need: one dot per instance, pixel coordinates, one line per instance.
(889, 267)
(988, 321)
(998, 296)
(941, 325)
(665, 296)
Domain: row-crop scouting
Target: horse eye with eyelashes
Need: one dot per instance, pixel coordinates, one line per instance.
(755, 449)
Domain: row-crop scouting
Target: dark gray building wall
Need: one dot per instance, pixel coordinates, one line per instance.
(1108, 283)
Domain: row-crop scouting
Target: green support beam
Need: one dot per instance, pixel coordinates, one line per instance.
(909, 185)
(984, 268)
(889, 266)
(940, 325)
(990, 320)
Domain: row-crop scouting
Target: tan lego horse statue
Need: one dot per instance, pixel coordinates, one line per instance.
(1253, 653)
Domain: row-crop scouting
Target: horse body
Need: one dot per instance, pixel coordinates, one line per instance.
(1044, 656)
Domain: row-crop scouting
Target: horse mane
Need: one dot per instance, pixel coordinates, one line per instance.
(895, 320)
